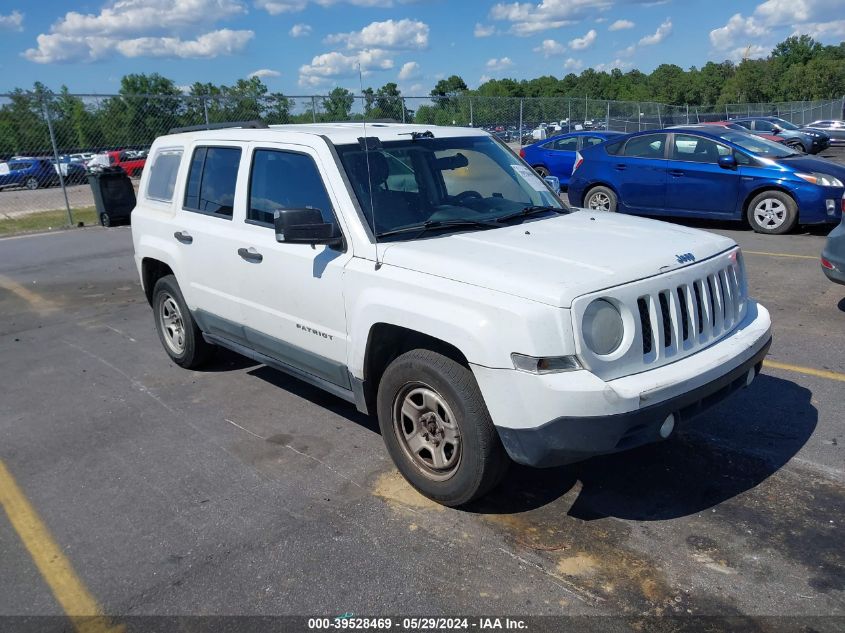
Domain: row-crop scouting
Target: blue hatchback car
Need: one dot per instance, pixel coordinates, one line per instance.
(696, 174)
(31, 173)
(555, 156)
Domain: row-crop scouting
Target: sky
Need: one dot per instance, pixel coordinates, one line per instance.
(304, 47)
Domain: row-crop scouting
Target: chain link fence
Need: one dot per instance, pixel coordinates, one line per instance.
(50, 142)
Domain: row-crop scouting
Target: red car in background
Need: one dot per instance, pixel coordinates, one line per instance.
(736, 126)
(132, 165)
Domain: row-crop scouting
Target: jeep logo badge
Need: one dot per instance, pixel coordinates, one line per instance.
(686, 258)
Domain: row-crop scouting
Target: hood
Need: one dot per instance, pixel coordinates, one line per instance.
(806, 164)
(554, 260)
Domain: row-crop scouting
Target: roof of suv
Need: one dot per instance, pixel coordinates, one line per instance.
(337, 133)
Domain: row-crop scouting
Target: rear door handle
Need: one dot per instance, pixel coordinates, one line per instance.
(184, 237)
(676, 172)
(250, 255)
(621, 167)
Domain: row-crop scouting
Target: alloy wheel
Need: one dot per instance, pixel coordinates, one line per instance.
(172, 324)
(770, 213)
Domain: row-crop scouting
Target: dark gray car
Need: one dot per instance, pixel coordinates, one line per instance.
(833, 255)
(834, 128)
(804, 140)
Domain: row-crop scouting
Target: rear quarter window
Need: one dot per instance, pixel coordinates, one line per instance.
(614, 148)
(165, 167)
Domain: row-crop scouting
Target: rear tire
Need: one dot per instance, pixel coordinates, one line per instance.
(177, 330)
(772, 212)
(32, 183)
(601, 199)
(437, 428)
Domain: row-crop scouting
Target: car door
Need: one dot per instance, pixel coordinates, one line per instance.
(639, 173)
(206, 232)
(293, 293)
(559, 156)
(697, 185)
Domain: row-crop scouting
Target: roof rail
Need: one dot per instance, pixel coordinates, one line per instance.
(251, 125)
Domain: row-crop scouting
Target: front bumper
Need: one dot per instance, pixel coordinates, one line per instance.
(819, 205)
(593, 417)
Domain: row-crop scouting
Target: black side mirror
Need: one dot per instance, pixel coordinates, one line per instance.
(776, 130)
(305, 226)
(728, 162)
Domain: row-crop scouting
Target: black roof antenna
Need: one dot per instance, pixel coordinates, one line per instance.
(366, 144)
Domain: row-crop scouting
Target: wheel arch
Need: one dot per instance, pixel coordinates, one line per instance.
(151, 271)
(593, 185)
(388, 341)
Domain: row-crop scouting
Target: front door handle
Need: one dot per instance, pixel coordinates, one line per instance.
(250, 255)
(184, 237)
(620, 167)
(676, 172)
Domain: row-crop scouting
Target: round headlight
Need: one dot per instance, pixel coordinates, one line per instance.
(602, 327)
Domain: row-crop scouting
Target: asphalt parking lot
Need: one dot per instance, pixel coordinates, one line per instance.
(133, 487)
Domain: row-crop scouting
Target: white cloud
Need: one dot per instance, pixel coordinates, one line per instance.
(583, 43)
(616, 63)
(573, 65)
(12, 22)
(621, 25)
(757, 30)
(483, 30)
(390, 34)
(277, 7)
(222, 42)
(663, 31)
(409, 70)
(484, 79)
(335, 64)
(148, 28)
(549, 48)
(300, 30)
(261, 73)
(499, 64)
(527, 18)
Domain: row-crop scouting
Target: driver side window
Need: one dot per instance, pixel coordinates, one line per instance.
(285, 180)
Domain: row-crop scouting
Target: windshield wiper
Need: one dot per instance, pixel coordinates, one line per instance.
(530, 210)
(429, 225)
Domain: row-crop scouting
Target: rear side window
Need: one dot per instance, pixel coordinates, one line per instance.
(649, 146)
(211, 181)
(614, 148)
(563, 144)
(592, 140)
(163, 174)
(285, 180)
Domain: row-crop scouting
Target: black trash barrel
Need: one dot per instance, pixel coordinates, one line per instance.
(114, 195)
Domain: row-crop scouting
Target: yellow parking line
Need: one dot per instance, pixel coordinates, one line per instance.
(78, 604)
(820, 373)
(780, 255)
(35, 300)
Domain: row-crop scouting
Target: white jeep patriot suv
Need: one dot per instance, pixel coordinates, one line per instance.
(429, 276)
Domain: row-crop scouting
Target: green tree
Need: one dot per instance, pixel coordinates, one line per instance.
(338, 104)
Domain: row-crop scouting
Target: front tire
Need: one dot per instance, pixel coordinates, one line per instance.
(541, 171)
(772, 213)
(32, 183)
(437, 428)
(797, 145)
(601, 199)
(177, 330)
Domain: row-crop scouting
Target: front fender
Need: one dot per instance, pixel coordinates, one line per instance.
(485, 325)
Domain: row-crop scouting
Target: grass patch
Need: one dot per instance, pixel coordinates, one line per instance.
(46, 221)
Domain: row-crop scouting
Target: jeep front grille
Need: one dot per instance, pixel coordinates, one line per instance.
(691, 314)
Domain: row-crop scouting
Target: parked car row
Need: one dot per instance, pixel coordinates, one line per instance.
(37, 172)
(717, 171)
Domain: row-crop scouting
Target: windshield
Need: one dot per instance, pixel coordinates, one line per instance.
(757, 145)
(784, 124)
(441, 180)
